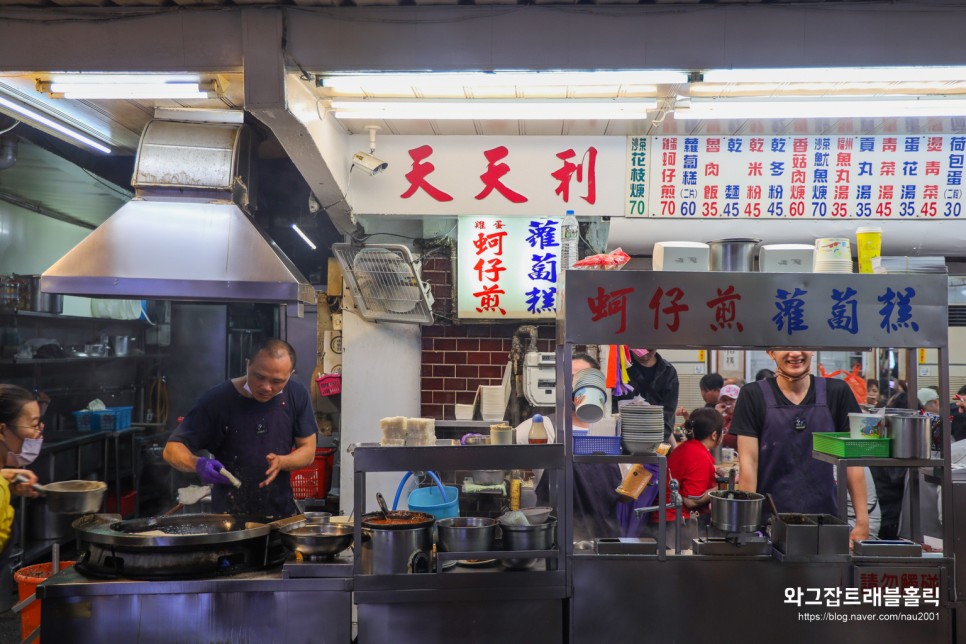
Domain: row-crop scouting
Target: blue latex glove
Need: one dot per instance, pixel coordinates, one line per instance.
(208, 470)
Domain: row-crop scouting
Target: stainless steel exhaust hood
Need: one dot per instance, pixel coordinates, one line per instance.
(186, 234)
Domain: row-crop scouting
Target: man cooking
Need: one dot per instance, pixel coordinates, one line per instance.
(249, 424)
(775, 419)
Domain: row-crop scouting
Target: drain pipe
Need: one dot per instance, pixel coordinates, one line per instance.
(517, 353)
(8, 150)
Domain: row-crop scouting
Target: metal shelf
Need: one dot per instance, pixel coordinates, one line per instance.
(91, 359)
(373, 458)
(66, 318)
(878, 461)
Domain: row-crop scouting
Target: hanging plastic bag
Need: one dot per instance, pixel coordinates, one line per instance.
(853, 379)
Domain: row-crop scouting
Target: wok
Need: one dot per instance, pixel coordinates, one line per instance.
(325, 539)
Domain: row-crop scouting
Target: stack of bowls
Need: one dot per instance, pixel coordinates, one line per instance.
(642, 428)
(832, 255)
(590, 387)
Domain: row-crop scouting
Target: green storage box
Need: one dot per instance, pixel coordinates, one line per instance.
(842, 444)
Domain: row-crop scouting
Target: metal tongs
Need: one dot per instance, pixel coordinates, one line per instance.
(732, 473)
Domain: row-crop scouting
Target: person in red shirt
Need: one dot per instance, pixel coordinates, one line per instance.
(691, 462)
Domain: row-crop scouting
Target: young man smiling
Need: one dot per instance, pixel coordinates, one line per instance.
(775, 418)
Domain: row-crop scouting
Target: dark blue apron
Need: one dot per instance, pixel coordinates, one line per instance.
(254, 431)
(786, 469)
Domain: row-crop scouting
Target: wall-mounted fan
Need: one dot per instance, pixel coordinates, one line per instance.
(385, 283)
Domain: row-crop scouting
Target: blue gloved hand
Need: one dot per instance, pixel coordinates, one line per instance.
(208, 470)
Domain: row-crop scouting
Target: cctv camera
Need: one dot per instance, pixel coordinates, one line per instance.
(369, 163)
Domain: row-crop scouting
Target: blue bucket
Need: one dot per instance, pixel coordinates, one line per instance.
(430, 500)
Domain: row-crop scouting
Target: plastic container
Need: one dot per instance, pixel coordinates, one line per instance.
(329, 384)
(315, 481)
(128, 504)
(844, 446)
(610, 445)
(538, 431)
(112, 418)
(84, 420)
(28, 578)
(569, 232)
(430, 501)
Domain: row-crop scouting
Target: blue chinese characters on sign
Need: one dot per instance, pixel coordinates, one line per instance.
(791, 311)
(897, 309)
(844, 311)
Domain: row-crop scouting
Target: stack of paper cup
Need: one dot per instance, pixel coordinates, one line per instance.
(868, 242)
(590, 394)
(492, 402)
(832, 255)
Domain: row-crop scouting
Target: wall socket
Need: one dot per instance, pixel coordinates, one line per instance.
(337, 322)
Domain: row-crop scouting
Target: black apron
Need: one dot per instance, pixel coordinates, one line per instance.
(786, 469)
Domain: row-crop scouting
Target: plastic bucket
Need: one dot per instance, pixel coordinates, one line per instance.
(430, 500)
(28, 579)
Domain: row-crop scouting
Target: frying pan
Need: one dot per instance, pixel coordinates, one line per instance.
(325, 539)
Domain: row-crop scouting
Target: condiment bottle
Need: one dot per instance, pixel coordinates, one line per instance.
(538, 432)
(516, 485)
(634, 483)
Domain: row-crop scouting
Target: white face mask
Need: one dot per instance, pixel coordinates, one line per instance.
(249, 390)
(29, 452)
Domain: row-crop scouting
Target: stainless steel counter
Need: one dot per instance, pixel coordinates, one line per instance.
(253, 607)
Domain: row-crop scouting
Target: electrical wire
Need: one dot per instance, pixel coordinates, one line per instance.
(15, 124)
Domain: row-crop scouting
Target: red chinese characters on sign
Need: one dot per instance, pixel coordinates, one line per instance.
(725, 309)
(417, 176)
(495, 171)
(673, 309)
(586, 168)
(489, 268)
(606, 305)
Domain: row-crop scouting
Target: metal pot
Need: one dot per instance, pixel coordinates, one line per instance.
(527, 537)
(399, 545)
(488, 477)
(73, 497)
(735, 255)
(324, 539)
(910, 435)
(736, 511)
(39, 301)
(466, 534)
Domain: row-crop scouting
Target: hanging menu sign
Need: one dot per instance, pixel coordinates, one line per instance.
(755, 310)
(896, 176)
(508, 267)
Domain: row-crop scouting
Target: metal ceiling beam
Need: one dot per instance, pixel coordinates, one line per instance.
(284, 104)
(43, 210)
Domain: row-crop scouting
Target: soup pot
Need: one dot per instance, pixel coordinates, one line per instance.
(736, 511)
(399, 543)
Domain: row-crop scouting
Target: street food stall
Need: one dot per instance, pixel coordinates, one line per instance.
(415, 576)
(877, 595)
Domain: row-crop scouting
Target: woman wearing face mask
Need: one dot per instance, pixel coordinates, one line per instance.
(19, 423)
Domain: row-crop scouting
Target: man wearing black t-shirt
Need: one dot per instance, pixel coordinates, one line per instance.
(656, 381)
(775, 419)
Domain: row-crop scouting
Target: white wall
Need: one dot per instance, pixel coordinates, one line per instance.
(380, 377)
(30, 243)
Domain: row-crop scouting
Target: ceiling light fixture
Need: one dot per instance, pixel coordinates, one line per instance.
(836, 75)
(388, 81)
(482, 109)
(124, 86)
(304, 237)
(697, 109)
(36, 119)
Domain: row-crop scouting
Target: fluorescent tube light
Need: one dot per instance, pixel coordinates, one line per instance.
(387, 81)
(128, 86)
(304, 237)
(36, 118)
(819, 108)
(836, 75)
(562, 109)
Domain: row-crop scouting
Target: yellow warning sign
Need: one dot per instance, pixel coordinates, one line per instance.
(922, 356)
(702, 355)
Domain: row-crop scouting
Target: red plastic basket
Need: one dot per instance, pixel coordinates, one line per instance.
(329, 384)
(315, 481)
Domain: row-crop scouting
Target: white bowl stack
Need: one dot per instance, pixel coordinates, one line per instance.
(592, 385)
(832, 255)
(786, 258)
(681, 256)
(642, 428)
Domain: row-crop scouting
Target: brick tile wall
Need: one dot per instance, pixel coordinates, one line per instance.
(456, 359)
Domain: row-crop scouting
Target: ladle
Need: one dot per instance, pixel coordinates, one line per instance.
(382, 505)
